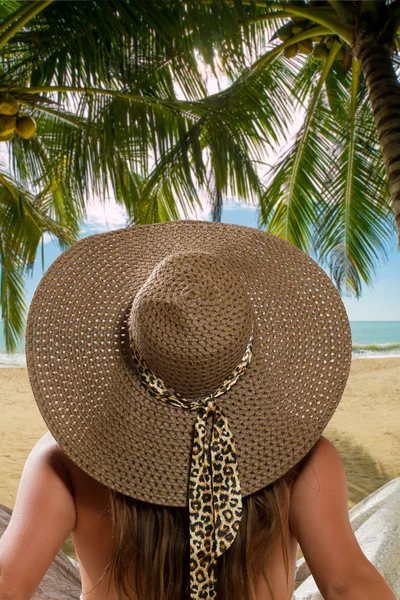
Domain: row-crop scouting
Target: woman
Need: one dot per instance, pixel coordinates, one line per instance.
(186, 371)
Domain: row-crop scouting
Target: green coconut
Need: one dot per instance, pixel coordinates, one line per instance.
(7, 124)
(305, 47)
(321, 51)
(8, 105)
(302, 26)
(341, 52)
(329, 42)
(7, 138)
(285, 32)
(26, 127)
(291, 51)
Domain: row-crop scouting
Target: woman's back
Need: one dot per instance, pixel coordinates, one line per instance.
(92, 534)
(55, 496)
(92, 541)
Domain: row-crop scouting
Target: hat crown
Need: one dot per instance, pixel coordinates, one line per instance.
(191, 321)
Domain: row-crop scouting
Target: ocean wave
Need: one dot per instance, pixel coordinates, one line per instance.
(13, 360)
(373, 350)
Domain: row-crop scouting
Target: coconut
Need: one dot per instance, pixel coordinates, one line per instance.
(321, 51)
(285, 32)
(7, 138)
(291, 50)
(340, 53)
(305, 47)
(8, 105)
(7, 124)
(299, 27)
(329, 41)
(26, 127)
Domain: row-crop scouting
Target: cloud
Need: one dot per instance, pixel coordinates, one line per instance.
(108, 215)
(104, 215)
(46, 237)
(101, 215)
(232, 204)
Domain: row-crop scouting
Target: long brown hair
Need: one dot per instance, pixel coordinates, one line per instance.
(155, 540)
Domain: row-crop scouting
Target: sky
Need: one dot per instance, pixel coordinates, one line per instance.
(379, 302)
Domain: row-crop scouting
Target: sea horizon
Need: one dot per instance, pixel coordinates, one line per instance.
(370, 339)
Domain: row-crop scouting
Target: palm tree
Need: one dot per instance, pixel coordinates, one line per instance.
(121, 108)
(100, 79)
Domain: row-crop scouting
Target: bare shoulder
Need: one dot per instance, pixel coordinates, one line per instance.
(320, 452)
(47, 441)
(322, 465)
(323, 455)
(81, 485)
(324, 447)
(55, 456)
(319, 516)
(49, 448)
(52, 449)
(43, 516)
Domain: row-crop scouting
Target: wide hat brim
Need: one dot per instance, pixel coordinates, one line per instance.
(90, 397)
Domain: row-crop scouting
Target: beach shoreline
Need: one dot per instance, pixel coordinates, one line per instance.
(17, 360)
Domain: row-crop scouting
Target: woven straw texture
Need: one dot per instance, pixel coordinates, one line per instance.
(189, 291)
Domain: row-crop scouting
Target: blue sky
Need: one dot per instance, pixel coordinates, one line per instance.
(379, 302)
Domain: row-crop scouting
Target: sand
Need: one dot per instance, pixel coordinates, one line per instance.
(365, 428)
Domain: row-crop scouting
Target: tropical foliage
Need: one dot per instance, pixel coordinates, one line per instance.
(118, 95)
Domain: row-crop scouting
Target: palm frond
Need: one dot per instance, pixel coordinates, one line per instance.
(355, 220)
(24, 218)
(288, 206)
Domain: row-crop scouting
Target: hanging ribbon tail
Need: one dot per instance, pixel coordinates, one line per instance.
(227, 497)
(215, 501)
(201, 516)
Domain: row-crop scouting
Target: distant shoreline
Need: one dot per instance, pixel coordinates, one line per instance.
(370, 339)
(18, 360)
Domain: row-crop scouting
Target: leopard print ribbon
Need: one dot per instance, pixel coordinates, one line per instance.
(215, 500)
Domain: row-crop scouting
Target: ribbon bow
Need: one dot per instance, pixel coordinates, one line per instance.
(215, 500)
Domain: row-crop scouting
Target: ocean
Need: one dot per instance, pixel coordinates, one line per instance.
(371, 339)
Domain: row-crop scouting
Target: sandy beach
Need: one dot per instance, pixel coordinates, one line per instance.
(365, 428)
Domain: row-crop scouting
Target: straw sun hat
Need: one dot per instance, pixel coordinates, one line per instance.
(187, 363)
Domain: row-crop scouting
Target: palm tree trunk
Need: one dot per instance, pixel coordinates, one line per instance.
(373, 48)
(216, 210)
